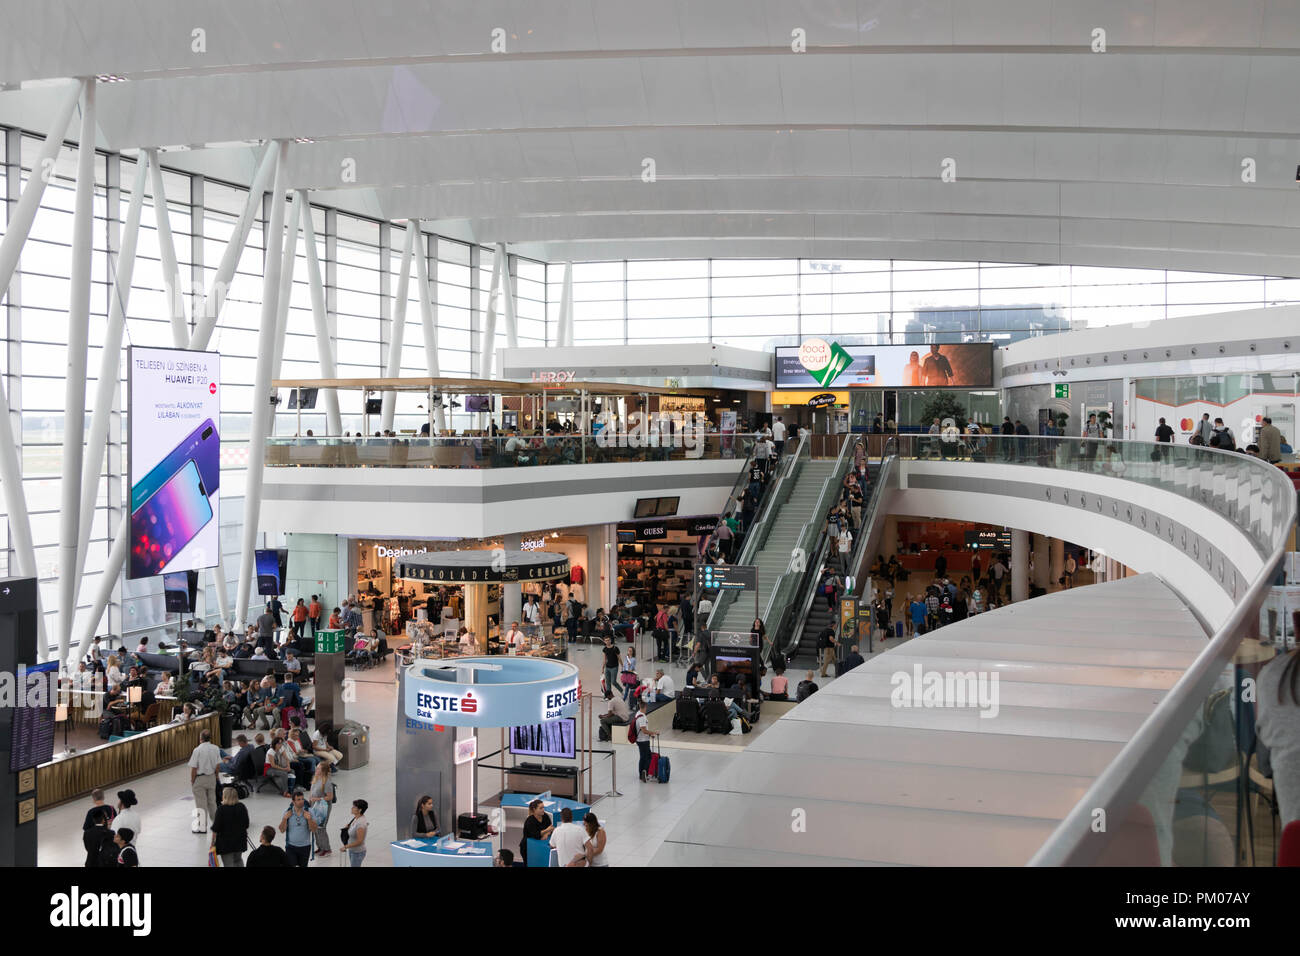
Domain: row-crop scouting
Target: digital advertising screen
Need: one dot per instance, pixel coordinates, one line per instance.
(180, 590)
(819, 364)
(271, 565)
(555, 738)
(174, 459)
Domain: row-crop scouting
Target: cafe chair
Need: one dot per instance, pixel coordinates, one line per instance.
(151, 714)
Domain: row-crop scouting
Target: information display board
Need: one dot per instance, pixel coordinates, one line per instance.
(727, 577)
(174, 459)
(817, 364)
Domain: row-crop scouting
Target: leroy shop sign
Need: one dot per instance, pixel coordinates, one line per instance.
(561, 377)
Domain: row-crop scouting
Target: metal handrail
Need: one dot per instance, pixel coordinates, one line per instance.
(1203, 476)
(790, 465)
(830, 488)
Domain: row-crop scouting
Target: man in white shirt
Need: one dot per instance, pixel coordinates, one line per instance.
(778, 435)
(204, 762)
(664, 688)
(128, 817)
(468, 642)
(532, 611)
(568, 839)
(514, 637)
(619, 713)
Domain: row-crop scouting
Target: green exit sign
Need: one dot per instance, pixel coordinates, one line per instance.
(1062, 391)
(330, 642)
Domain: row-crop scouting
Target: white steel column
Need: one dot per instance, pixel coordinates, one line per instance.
(74, 393)
(508, 297)
(216, 296)
(11, 246)
(167, 249)
(286, 281)
(110, 363)
(1019, 564)
(564, 332)
(399, 328)
(324, 350)
(490, 321)
(426, 316)
(262, 387)
(107, 582)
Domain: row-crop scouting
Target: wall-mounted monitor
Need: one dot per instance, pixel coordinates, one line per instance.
(667, 507)
(478, 403)
(302, 398)
(645, 507)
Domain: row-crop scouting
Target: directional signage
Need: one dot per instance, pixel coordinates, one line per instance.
(727, 577)
(330, 642)
(1062, 390)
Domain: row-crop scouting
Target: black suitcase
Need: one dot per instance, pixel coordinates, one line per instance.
(687, 715)
(717, 718)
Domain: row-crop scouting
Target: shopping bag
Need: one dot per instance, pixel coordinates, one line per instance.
(213, 859)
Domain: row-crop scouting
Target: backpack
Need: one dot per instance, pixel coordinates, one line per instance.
(631, 730)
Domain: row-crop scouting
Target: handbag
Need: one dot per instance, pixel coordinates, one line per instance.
(1215, 750)
(213, 859)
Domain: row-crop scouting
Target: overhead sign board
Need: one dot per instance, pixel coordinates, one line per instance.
(936, 365)
(727, 577)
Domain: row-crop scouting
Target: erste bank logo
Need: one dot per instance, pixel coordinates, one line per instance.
(427, 704)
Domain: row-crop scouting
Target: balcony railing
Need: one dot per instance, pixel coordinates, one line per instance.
(504, 451)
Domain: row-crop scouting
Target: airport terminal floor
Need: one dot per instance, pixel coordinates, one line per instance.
(708, 436)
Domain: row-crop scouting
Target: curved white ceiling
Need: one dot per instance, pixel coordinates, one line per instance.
(1131, 157)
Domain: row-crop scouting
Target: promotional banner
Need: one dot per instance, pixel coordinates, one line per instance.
(174, 459)
(818, 364)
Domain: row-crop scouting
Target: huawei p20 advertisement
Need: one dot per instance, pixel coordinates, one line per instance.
(174, 453)
(822, 364)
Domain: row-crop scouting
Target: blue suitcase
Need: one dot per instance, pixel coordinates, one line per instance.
(662, 769)
(898, 629)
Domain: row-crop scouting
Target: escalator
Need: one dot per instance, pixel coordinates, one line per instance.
(810, 615)
(783, 535)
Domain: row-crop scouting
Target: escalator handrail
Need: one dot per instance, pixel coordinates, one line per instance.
(829, 485)
(786, 466)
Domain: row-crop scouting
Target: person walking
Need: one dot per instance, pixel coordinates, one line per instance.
(611, 663)
(267, 853)
(313, 614)
(230, 829)
(204, 761)
(1204, 431)
(1071, 566)
(299, 617)
(826, 647)
(320, 801)
(643, 737)
(355, 833)
(298, 826)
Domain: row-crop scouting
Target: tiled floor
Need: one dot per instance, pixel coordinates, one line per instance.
(636, 822)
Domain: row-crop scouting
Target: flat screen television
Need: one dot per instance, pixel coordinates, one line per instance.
(478, 403)
(626, 535)
(272, 568)
(374, 406)
(667, 507)
(302, 398)
(180, 590)
(555, 738)
(645, 507)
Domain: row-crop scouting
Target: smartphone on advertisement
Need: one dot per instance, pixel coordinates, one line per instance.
(267, 566)
(168, 520)
(203, 445)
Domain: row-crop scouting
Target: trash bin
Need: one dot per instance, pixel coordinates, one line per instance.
(354, 743)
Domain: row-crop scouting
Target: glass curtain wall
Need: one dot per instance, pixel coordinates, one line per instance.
(761, 303)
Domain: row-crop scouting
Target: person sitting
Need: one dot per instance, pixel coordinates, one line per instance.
(300, 750)
(695, 675)
(852, 659)
(807, 687)
(320, 744)
(619, 713)
(240, 765)
(780, 686)
(736, 698)
(279, 765)
(663, 688)
(424, 821)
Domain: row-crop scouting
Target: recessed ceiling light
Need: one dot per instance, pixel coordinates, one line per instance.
(303, 139)
(110, 78)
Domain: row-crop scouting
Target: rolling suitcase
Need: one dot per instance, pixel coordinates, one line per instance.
(663, 769)
(898, 629)
(653, 769)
